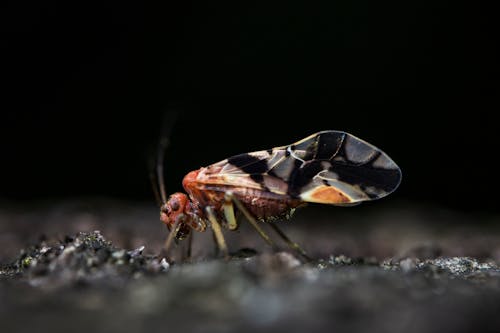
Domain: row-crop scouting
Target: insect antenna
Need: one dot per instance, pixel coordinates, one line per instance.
(158, 179)
(162, 146)
(154, 183)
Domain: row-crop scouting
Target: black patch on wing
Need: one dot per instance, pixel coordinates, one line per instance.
(312, 149)
(257, 177)
(248, 163)
(328, 145)
(251, 165)
(365, 175)
(301, 176)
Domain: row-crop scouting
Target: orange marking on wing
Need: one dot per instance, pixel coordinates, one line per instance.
(328, 194)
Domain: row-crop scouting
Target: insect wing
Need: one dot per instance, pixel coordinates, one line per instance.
(330, 167)
(338, 168)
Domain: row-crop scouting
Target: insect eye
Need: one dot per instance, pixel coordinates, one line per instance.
(165, 209)
(174, 205)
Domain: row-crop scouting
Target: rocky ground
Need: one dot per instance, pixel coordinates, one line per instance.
(377, 268)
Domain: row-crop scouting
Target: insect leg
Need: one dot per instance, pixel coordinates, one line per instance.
(216, 245)
(189, 245)
(261, 232)
(289, 242)
(250, 218)
(228, 209)
(171, 236)
(219, 237)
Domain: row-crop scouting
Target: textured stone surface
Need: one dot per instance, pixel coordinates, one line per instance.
(411, 269)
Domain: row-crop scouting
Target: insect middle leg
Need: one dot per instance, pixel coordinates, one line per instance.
(217, 229)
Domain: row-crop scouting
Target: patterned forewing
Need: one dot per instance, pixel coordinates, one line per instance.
(330, 167)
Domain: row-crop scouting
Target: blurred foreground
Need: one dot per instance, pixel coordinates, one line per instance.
(376, 267)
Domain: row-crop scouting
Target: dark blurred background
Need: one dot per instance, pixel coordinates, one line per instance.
(87, 84)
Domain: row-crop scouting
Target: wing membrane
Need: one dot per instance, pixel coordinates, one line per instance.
(330, 167)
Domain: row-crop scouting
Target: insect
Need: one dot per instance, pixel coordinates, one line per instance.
(328, 167)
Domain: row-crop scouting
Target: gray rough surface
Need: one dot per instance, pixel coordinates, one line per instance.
(377, 269)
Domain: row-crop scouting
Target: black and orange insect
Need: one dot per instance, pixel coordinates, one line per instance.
(328, 167)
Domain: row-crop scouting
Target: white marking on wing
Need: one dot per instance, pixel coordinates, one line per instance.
(384, 162)
(358, 151)
(292, 153)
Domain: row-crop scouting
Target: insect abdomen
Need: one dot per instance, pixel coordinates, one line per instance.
(264, 207)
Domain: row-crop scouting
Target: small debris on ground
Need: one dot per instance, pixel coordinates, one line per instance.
(84, 258)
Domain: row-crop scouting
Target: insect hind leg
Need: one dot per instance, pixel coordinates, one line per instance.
(294, 246)
(289, 242)
(229, 196)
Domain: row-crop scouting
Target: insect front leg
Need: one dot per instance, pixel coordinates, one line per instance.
(216, 227)
(171, 236)
(189, 246)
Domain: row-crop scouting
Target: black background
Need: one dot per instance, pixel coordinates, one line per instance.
(87, 84)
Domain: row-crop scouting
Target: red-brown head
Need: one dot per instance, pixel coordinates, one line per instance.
(175, 209)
